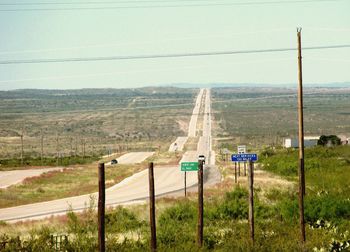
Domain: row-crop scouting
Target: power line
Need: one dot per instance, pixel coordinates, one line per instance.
(157, 70)
(166, 6)
(101, 2)
(152, 1)
(159, 56)
(225, 34)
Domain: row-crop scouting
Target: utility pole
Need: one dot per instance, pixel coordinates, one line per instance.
(22, 152)
(83, 143)
(301, 143)
(71, 146)
(42, 146)
(57, 149)
(76, 146)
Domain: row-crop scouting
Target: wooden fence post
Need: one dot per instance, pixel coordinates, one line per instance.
(152, 207)
(251, 200)
(200, 205)
(101, 207)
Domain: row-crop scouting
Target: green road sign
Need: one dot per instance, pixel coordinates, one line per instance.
(189, 166)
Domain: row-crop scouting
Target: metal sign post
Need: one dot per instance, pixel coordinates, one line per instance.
(185, 167)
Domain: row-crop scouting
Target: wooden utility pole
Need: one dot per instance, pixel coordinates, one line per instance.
(71, 146)
(76, 146)
(101, 207)
(83, 143)
(301, 143)
(22, 152)
(200, 205)
(57, 149)
(152, 208)
(251, 200)
(42, 146)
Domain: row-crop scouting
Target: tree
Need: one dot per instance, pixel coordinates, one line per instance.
(329, 140)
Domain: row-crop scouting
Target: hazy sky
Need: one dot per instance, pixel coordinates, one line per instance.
(135, 31)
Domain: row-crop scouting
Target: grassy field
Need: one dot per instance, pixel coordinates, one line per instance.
(264, 116)
(327, 181)
(91, 121)
(256, 117)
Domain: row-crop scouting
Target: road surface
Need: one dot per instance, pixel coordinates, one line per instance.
(134, 188)
(204, 146)
(8, 178)
(168, 179)
(178, 145)
(134, 157)
(192, 128)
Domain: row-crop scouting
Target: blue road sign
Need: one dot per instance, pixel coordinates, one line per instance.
(244, 157)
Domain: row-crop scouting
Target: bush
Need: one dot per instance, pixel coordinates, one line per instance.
(177, 225)
(122, 220)
(234, 206)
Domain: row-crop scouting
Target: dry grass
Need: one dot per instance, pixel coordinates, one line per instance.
(89, 120)
(74, 181)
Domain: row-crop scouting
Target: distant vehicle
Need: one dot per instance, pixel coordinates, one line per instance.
(201, 158)
(114, 161)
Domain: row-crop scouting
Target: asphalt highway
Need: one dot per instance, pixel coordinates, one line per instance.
(8, 178)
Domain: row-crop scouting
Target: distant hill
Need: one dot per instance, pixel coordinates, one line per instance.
(286, 85)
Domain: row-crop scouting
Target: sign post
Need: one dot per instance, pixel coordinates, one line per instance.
(236, 172)
(250, 158)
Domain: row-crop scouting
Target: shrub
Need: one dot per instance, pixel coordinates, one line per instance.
(122, 220)
(234, 206)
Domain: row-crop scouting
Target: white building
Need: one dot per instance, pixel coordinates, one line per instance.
(294, 142)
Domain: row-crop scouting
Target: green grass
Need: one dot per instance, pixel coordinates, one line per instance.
(225, 228)
(327, 169)
(327, 172)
